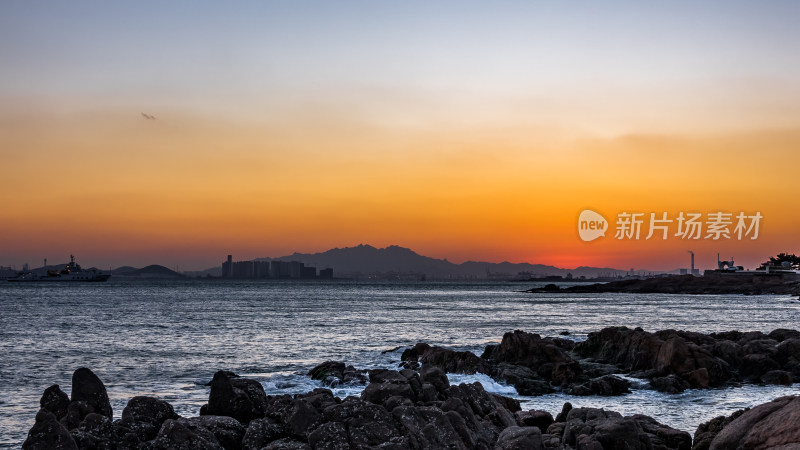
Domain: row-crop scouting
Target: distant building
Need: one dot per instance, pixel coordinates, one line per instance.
(271, 270)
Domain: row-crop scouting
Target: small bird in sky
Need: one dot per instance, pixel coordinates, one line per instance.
(148, 116)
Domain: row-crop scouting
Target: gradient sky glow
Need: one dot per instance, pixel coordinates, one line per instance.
(463, 130)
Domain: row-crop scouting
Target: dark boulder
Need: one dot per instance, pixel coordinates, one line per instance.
(333, 373)
(545, 358)
(707, 431)
(607, 385)
(175, 435)
(240, 398)
(669, 384)
(55, 401)
(781, 377)
(148, 409)
(48, 434)
(534, 418)
(770, 425)
(87, 387)
(519, 438)
(450, 361)
(227, 431)
(597, 428)
(94, 433)
(261, 432)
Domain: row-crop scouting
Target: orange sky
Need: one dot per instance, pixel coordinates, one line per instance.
(430, 150)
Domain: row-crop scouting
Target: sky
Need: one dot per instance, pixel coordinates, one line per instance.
(462, 130)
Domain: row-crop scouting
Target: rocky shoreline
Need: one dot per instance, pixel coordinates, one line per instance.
(687, 284)
(416, 407)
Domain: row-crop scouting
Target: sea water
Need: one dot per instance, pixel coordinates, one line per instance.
(167, 338)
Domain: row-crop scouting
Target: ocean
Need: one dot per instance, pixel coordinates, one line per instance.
(167, 338)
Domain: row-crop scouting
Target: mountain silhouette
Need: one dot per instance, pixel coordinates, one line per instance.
(365, 259)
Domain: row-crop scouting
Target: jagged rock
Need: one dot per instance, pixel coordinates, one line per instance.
(544, 357)
(769, 425)
(48, 434)
(562, 416)
(55, 401)
(606, 385)
(519, 438)
(87, 387)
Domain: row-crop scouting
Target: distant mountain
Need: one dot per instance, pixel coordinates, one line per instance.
(151, 271)
(366, 259)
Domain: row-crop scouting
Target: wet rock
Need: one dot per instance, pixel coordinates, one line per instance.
(669, 384)
(148, 409)
(781, 377)
(707, 431)
(261, 432)
(175, 435)
(48, 434)
(545, 358)
(333, 373)
(302, 418)
(227, 431)
(435, 376)
(55, 401)
(524, 380)
(448, 360)
(287, 444)
(755, 365)
(76, 411)
(562, 416)
(329, 436)
(770, 425)
(534, 418)
(607, 385)
(597, 428)
(87, 387)
(94, 433)
(240, 398)
(782, 334)
(519, 438)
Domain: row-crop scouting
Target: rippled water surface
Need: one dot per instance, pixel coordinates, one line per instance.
(167, 338)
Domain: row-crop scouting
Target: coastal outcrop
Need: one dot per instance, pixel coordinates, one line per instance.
(676, 360)
(416, 406)
(403, 409)
(752, 284)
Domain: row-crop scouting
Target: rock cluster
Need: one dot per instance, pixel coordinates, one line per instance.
(532, 364)
(398, 410)
(677, 360)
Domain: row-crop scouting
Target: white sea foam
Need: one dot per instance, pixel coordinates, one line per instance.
(486, 381)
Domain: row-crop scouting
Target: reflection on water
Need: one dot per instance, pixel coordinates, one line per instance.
(168, 338)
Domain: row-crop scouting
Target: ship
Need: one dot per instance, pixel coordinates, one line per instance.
(72, 272)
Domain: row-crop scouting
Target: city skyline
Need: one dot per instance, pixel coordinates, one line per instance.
(184, 132)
